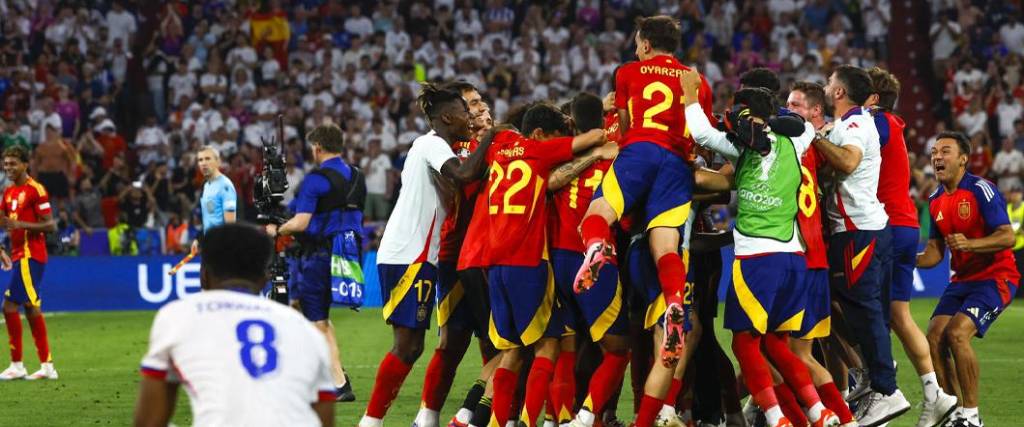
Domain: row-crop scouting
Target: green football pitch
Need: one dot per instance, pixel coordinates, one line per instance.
(97, 355)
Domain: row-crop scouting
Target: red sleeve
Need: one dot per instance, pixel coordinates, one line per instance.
(704, 98)
(325, 396)
(554, 151)
(156, 374)
(622, 87)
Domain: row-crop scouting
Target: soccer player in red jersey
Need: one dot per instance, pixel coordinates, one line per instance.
(807, 99)
(968, 216)
(456, 298)
(651, 169)
(27, 217)
(522, 289)
(895, 173)
(599, 312)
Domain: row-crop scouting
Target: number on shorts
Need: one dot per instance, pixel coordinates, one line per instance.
(258, 357)
(423, 289)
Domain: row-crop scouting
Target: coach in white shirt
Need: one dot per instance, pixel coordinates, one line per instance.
(244, 360)
(859, 249)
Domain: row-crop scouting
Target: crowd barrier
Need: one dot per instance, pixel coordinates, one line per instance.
(94, 283)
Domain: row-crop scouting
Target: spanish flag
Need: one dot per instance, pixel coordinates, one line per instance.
(270, 27)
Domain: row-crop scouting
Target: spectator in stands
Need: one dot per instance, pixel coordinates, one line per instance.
(980, 160)
(87, 211)
(52, 163)
(176, 235)
(1007, 167)
(137, 204)
(376, 167)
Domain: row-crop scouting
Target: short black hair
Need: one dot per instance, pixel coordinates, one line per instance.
(813, 92)
(856, 81)
(435, 99)
(761, 77)
(236, 251)
(962, 142)
(661, 31)
(18, 152)
(545, 117)
(328, 137)
(459, 86)
(760, 101)
(515, 115)
(587, 112)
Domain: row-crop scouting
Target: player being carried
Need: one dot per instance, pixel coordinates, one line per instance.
(652, 174)
(766, 300)
(968, 215)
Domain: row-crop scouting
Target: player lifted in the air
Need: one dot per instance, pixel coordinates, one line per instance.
(968, 215)
(652, 174)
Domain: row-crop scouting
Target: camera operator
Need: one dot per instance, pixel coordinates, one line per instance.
(219, 200)
(328, 202)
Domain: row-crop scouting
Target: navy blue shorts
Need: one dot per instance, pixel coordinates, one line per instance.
(981, 300)
(648, 176)
(642, 274)
(452, 309)
(311, 286)
(598, 309)
(904, 260)
(818, 310)
(409, 293)
(25, 280)
(767, 293)
(523, 306)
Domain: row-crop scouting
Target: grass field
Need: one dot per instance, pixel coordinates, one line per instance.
(97, 355)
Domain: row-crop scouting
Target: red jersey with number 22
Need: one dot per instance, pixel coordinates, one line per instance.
(651, 93)
(27, 203)
(516, 192)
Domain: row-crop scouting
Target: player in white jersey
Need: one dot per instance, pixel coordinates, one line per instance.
(407, 258)
(860, 246)
(243, 360)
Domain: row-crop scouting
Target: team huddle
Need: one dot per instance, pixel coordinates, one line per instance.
(572, 242)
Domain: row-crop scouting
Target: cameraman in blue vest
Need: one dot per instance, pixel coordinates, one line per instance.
(328, 204)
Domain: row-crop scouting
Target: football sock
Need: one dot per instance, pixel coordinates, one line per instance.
(595, 229)
(747, 349)
(13, 320)
(38, 325)
(606, 380)
(537, 385)
(792, 369)
(971, 414)
(833, 400)
(673, 392)
(672, 276)
(482, 413)
(465, 413)
(504, 390)
(390, 376)
(649, 408)
(563, 387)
(426, 418)
(790, 408)
(434, 395)
(930, 384)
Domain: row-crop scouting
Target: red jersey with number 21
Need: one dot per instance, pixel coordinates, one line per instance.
(27, 203)
(516, 192)
(651, 93)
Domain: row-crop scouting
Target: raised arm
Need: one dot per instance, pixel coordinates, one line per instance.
(844, 159)
(932, 255)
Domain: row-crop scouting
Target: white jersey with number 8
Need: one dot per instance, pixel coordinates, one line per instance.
(243, 360)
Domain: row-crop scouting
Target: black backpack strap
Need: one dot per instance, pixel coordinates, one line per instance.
(356, 197)
(335, 199)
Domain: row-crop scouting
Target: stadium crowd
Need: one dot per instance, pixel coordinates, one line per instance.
(108, 94)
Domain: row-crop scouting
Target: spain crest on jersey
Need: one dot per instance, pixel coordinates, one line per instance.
(964, 209)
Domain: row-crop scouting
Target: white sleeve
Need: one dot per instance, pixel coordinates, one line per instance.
(804, 140)
(437, 152)
(707, 136)
(853, 134)
(162, 339)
